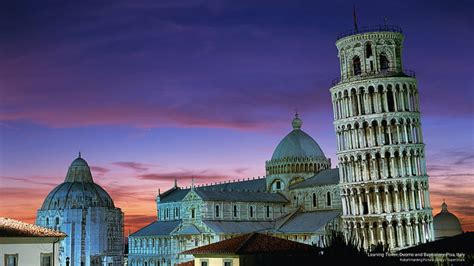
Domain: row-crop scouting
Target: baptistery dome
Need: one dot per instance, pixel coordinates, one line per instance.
(86, 213)
(78, 190)
(446, 224)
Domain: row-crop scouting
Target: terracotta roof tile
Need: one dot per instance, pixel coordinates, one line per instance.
(253, 243)
(13, 228)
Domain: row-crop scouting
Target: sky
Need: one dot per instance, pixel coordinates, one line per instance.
(150, 91)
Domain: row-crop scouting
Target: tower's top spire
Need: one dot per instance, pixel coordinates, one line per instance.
(356, 29)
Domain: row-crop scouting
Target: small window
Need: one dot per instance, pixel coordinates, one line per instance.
(193, 213)
(57, 220)
(47, 221)
(46, 259)
(368, 50)
(217, 210)
(11, 259)
(227, 263)
(251, 211)
(328, 198)
(235, 210)
(268, 211)
(356, 66)
(204, 263)
(315, 201)
(384, 64)
(278, 184)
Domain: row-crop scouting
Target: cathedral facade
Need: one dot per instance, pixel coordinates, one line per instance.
(299, 200)
(86, 213)
(377, 194)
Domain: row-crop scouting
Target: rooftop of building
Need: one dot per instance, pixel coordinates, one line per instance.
(252, 243)
(14, 228)
(362, 30)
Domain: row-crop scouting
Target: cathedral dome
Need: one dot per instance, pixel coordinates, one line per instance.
(445, 223)
(297, 144)
(78, 190)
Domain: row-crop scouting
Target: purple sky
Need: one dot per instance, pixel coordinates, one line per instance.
(153, 90)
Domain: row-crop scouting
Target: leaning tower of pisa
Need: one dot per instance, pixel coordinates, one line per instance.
(383, 179)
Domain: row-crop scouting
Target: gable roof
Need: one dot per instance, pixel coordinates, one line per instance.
(174, 195)
(308, 222)
(324, 177)
(246, 190)
(157, 228)
(14, 228)
(253, 243)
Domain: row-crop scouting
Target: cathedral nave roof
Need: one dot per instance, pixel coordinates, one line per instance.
(324, 177)
(157, 228)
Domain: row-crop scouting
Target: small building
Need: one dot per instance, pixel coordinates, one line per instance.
(28, 244)
(446, 224)
(253, 249)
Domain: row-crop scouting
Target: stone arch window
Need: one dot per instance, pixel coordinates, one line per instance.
(217, 210)
(368, 50)
(390, 99)
(356, 66)
(384, 63)
(315, 200)
(278, 184)
(328, 198)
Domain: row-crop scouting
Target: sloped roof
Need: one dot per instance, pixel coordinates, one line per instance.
(308, 222)
(13, 228)
(232, 195)
(173, 195)
(189, 229)
(177, 194)
(157, 228)
(253, 243)
(324, 177)
(238, 227)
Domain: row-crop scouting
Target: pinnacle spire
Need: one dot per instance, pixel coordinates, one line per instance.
(355, 18)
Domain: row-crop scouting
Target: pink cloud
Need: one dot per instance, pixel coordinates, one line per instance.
(141, 116)
(139, 167)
